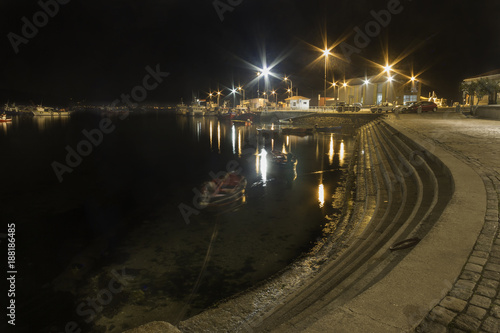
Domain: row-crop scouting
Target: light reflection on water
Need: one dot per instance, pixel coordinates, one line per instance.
(283, 214)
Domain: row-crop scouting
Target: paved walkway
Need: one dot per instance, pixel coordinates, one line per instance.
(473, 303)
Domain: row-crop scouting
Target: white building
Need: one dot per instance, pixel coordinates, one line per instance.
(297, 103)
(256, 103)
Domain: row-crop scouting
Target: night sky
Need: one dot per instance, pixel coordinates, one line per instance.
(95, 50)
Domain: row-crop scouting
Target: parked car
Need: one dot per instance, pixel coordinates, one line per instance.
(382, 107)
(426, 107)
(403, 108)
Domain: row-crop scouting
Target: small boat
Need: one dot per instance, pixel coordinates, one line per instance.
(223, 191)
(332, 129)
(226, 115)
(300, 131)
(247, 116)
(283, 160)
(4, 119)
(242, 122)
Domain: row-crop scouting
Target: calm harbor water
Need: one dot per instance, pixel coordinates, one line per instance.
(108, 248)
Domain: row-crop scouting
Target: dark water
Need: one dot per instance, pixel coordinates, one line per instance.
(108, 248)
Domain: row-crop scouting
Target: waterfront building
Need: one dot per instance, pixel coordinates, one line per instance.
(297, 103)
(373, 90)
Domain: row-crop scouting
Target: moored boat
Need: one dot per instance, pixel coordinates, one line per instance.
(332, 129)
(283, 160)
(49, 112)
(301, 131)
(223, 191)
(4, 119)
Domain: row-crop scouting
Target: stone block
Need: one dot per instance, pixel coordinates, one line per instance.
(476, 312)
(453, 303)
(481, 301)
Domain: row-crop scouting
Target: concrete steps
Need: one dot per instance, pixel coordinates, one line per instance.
(407, 188)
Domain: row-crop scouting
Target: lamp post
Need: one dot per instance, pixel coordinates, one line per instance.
(233, 91)
(276, 95)
(387, 68)
(345, 90)
(334, 85)
(291, 85)
(240, 89)
(365, 87)
(258, 84)
(218, 96)
(326, 52)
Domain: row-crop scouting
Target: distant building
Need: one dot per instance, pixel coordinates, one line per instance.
(487, 99)
(256, 103)
(297, 103)
(373, 90)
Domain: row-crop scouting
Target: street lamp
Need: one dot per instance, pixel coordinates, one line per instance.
(276, 95)
(233, 91)
(218, 96)
(388, 68)
(389, 80)
(365, 84)
(334, 85)
(241, 89)
(326, 53)
(345, 90)
(258, 84)
(291, 85)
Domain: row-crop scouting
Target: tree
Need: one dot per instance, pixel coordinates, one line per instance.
(479, 88)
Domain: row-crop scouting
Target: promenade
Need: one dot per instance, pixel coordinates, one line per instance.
(473, 302)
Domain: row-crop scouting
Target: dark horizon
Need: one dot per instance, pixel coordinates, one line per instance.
(94, 52)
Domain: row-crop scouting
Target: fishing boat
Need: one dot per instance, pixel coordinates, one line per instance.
(197, 110)
(4, 119)
(49, 112)
(246, 116)
(181, 109)
(283, 160)
(223, 191)
(228, 115)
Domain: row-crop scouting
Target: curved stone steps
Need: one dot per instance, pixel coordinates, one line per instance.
(389, 207)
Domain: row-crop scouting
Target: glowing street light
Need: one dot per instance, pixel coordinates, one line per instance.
(233, 91)
(366, 82)
(218, 96)
(334, 84)
(276, 95)
(291, 85)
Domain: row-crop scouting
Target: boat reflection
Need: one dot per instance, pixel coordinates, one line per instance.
(46, 123)
(5, 127)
